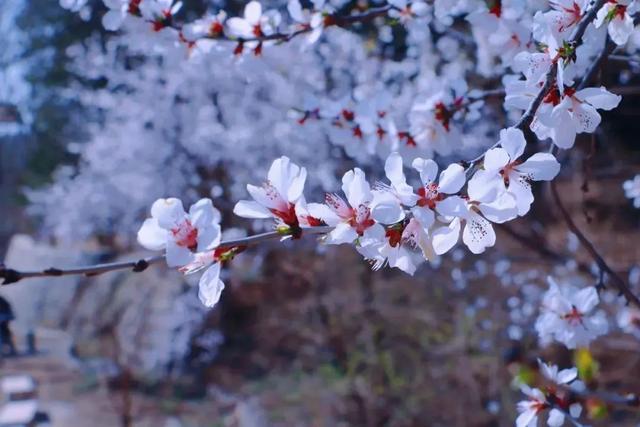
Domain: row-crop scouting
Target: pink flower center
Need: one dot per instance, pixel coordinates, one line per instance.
(361, 219)
(429, 196)
(287, 216)
(574, 317)
(185, 235)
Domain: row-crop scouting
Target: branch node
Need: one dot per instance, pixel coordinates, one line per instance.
(140, 265)
(53, 272)
(9, 275)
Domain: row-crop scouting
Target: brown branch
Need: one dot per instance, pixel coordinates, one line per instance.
(329, 20)
(12, 276)
(617, 281)
(550, 79)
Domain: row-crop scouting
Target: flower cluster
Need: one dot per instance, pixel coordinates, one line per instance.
(568, 316)
(403, 95)
(556, 398)
(392, 223)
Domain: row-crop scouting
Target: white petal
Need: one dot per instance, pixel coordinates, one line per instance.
(251, 209)
(239, 27)
(402, 259)
(485, 185)
(168, 212)
(152, 236)
(425, 216)
(203, 214)
(445, 238)
(586, 118)
(567, 375)
(295, 10)
(586, 299)
(210, 286)
(253, 12)
(297, 186)
(520, 189)
(427, 168)
(478, 234)
(502, 209)
(386, 208)
(177, 256)
(268, 197)
(540, 167)
(556, 418)
(575, 410)
(356, 188)
(527, 419)
(323, 212)
(208, 237)
(495, 159)
(452, 206)
(513, 141)
(564, 134)
(599, 97)
(419, 8)
(393, 169)
(112, 20)
(452, 179)
(343, 233)
(374, 233)
(287, 178)
(620, 29)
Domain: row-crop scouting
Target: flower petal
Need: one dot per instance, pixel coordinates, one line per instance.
(356, 188)
(169, 212)
(152, 236)
(203, 214)
(495, 159)
(177, 256)
(478, 234)
(452, 179)
(210, 286)
(251, 209)
(343, 233)
(253, 12)
(445, 238)
(386, 208)
(512, 140)
(540, 167)
(599, 97)
(427, 168)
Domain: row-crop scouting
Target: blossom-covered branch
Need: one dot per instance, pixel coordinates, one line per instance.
(9, 275)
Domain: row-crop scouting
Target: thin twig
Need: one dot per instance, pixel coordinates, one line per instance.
(12, 276)
(329, 20)
(618, 282)
(609, 47)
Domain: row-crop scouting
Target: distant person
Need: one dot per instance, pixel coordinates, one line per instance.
(6, 338)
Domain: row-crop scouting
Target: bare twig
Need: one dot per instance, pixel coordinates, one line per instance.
(617, 281)
(12, 276)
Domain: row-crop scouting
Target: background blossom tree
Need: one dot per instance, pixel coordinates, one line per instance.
(191, 103)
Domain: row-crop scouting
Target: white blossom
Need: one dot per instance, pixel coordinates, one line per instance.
(178, 232)
(632, 190)
(568, 316)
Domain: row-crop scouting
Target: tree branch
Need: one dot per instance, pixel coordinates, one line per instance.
(330, 20)
(12, 276)
(550, 78)
(617, 281)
